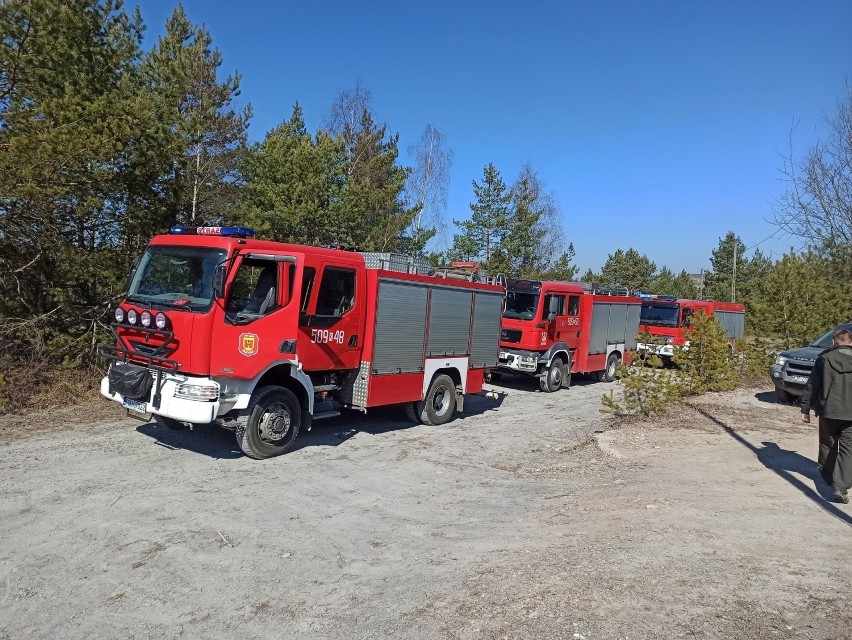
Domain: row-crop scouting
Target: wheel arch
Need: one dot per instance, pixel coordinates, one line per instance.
(557, 349)
(287, 375)
(452, 372)
(454, 367)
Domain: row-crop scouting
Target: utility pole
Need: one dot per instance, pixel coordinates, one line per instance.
(734, 275)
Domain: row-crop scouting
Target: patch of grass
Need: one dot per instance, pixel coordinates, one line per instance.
(25, 386)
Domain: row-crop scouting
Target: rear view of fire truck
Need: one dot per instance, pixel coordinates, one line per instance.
(263, 337)
(552, 330)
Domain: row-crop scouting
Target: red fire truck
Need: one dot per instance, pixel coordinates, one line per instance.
(669, 317)
(553, 329)
(263, 337)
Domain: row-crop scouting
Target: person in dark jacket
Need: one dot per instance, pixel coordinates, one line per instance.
(829, 393)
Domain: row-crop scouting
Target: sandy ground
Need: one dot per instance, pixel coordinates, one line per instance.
(530, 517)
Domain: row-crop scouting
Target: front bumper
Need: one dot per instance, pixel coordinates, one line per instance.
(518, 361)
(662, 350)
(791, 383)
(170, 406)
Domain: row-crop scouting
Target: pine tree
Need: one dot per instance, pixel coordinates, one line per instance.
(207, 132)
(294, 186)
(72, 116)
(802, 298)
(488, 224)
(563, 269)
(666, 283)
(373, 193)
(628, 269)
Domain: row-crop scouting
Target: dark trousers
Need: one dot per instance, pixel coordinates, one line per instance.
(835, 452)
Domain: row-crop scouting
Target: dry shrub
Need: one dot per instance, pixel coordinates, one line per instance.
(43, 385)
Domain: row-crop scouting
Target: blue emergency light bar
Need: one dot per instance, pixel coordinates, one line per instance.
(233, 232)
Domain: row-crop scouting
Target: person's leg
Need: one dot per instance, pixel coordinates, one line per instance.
(842, 473)
(827, 448)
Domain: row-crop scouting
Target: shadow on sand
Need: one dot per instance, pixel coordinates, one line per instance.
(786, 463)
(216, 442)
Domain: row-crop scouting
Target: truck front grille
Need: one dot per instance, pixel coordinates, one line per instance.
(510, 335)
(798, 370)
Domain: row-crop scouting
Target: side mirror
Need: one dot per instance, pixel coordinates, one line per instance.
(806, 343)
(219, 281)
(553, 308)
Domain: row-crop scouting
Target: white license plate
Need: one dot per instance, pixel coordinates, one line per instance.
(798, 379)
(135, 405)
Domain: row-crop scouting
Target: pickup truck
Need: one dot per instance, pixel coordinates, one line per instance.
(791, 368)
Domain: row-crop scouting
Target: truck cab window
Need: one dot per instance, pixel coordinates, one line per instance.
(573, 305)
(254, 291)
(307, 286)
(336, 293)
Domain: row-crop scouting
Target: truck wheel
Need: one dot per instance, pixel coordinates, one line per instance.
(782, 396)
(271, 423)
(552, 380)
(170, 423)
(566, 376)
(440, 402)
(411, 412)
(608, 374)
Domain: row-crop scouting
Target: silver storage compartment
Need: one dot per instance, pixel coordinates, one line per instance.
(400, 327)
(485, 342)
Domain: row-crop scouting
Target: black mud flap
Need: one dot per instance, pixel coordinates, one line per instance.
(130, 380)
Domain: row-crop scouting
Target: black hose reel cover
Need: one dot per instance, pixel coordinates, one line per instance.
(130, 380)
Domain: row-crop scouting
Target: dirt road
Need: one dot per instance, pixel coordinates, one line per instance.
(516, 521)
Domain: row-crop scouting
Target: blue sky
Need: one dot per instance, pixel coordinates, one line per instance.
(655, 123)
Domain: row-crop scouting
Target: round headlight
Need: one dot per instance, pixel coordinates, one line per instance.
(131, 316)
(146, 318)
(119, 315)
(160, 320)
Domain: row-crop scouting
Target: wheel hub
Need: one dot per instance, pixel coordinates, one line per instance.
(439, 401)
(275, 423)
(555, 376)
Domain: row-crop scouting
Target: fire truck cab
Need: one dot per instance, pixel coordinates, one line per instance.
(551, 330)
(669, 318)
(263, 337)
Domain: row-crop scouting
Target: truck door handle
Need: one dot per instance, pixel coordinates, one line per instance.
(353, 341)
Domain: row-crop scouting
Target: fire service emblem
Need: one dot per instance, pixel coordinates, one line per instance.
(248, 344)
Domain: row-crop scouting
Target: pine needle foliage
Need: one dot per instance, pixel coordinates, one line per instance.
(647, 385)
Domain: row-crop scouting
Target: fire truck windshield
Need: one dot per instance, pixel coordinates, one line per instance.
(661, 314)
(520, 305)
(176, 277)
